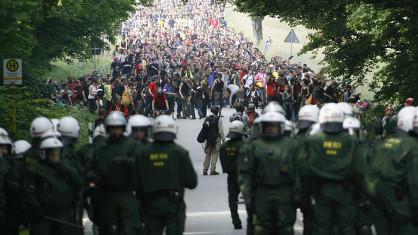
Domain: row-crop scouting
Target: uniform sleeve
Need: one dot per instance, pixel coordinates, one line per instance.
(188, 174)
(246, 169)
(92, 176)
(412, 179)
(30, 203)
(3, 170)
(74, 177)
(294, 168)
(222, 157)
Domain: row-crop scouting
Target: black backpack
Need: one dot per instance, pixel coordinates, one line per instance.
(209, 131)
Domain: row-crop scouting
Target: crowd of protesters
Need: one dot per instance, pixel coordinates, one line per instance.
(181, 58)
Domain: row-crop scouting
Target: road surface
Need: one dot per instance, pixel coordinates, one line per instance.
(207, 205)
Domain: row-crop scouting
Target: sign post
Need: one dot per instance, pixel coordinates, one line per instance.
(291, 38)
(12, 71)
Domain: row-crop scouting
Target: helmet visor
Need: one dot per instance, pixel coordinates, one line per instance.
(271, 129)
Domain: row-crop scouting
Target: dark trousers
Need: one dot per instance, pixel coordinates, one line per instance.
(92, 105)
(233, 193)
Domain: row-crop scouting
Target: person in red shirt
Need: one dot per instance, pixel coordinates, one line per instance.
(159, 102)
(272, 89)
(152, 88)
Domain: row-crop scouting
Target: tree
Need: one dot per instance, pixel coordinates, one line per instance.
(357, 37)
(41, 31)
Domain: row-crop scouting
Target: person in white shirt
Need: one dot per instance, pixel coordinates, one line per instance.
(92, 96)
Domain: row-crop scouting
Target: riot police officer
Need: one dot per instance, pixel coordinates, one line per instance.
(70, 132)
(49, 185)
(267, 171)
(38, 127)
(307, 116)
(5, 155)
(164, 170)
(391, 179)
(330, 155)
(229, 154)
(139, 128)
(111, 175)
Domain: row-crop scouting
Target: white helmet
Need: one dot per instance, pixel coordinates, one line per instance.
(273, 107)
(51, 133)
(315, 129)
(351, 123)
(51, 143)
(55, 122)
(406, 118)
(331, 112)
(164, 128)
(331, 118)
(39, 126)
(5, 140)
(346, 108)
(308, 115)
(99, 131)
(3, 131)
(273, 117)
(69, 127)
(115, 118)
(236, 127)
(137, 121)
(21, 146)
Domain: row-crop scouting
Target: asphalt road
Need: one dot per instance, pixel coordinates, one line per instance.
(207, 205)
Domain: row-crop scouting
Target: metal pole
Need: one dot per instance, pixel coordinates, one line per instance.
(291, 42)
(94, 57)
(291, 49)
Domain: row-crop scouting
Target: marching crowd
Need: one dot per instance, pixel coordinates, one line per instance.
(180, 59)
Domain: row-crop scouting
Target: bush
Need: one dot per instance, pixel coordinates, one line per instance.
(19, 106)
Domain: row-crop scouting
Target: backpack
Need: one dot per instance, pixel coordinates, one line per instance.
(126, 99)
(209, 131)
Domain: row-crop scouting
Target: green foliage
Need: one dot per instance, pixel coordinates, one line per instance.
(62, 70)
(357, 37)
(20, 105)
(41, 31)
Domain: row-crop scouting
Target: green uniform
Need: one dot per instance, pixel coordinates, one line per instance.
(164, 170)
(331, 164)
(364, 218)
(86, 153)
(114, 202)
(249, 204)
(13, 189)
(302, 167)
(267, 172)
(4, 168)
(392, 182)
(228, 154)
(49, 192)
(70, 153)
(32, 155)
